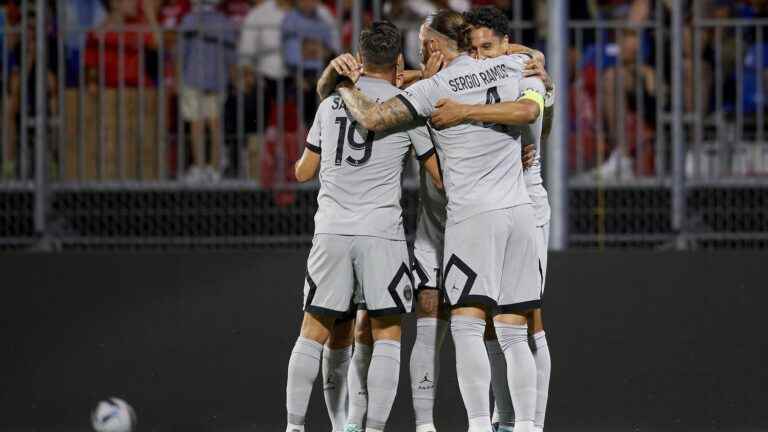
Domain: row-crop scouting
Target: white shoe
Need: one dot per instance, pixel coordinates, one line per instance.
(426, 428)
(294, 428)
(211, 175)
(194, 175)
(617, 167)
(353, 428)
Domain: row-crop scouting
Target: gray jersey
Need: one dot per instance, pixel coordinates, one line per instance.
(482, 169)
(532, 135)
(360, 172)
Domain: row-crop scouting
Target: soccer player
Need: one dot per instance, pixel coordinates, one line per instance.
(358, 233)
(490, 257)
(490, 40)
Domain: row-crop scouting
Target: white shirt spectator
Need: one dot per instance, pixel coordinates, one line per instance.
(260, 38)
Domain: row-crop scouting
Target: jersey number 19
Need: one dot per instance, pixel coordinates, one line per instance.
(348, 135)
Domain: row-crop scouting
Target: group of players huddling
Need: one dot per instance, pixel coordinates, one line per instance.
(475, 116)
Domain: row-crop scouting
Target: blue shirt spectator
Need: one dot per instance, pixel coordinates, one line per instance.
(209, 49)
(80, 16)
(308, 38)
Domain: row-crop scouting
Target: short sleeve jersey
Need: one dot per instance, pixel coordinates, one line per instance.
(482, 168)
(533, 88)
(360, 171)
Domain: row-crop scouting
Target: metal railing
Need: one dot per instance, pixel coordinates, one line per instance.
(656, 119)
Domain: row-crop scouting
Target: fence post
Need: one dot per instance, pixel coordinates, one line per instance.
(41, 123)
(678, 151)
(556, 150)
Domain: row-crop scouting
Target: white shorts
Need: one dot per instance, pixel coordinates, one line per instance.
(543, 248)
(427, 265)
(198, 105)
(337, 263)
(492, 259)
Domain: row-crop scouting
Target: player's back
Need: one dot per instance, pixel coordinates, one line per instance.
(360, 172)
(482, 169)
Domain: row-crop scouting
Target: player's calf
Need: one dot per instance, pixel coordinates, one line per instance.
(512, 332)
(304, 366)
(336, 360)
(431, 326)
(384, 372)
(503, 417)
(540, 349)
(358, 371)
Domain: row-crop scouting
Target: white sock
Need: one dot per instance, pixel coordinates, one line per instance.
(335, 370)
(357, 384)
(294, 428)
(302, 372)
(383, 376)
(472, 369)
(543, 369)
(503, 414)
(521, 373)
(425, 368)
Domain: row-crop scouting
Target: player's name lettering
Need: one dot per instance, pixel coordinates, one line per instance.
(475, 80)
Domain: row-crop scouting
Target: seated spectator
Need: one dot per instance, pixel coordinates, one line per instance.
(129, 121)
(209, 57)
(308, 43)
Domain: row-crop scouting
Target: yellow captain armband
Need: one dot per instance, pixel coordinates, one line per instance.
(534, 96)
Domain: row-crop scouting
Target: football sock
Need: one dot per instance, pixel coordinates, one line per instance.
(543, 368)
(383, 377)
(302, 371)
(335, 369)
(472, 369)
(356, 383)
(425, 367)
(521, 373)
(504, 414)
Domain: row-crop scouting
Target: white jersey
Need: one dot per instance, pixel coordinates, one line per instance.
(531, 134)
(482, 169)
(360, 172)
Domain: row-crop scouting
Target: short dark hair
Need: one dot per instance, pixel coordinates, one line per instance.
(381, 44)
(452, 25)
(490, 17)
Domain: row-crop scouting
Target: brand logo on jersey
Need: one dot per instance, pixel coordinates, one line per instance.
(408, 293)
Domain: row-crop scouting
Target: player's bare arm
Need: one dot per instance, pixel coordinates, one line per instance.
(433, 168)
(306, 167)
(345, 64)
(372, 116)
(451, 113)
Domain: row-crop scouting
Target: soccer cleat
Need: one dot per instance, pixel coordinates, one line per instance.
(353, 428)
(502, 428)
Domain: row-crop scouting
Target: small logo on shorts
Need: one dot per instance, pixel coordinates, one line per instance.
(408, 294)
(426, 383)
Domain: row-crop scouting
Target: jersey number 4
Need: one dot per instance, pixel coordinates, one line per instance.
(348, 135)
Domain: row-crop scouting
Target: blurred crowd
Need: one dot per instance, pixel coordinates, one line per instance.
(189, 89)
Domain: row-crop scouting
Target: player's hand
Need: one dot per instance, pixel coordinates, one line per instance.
(448, 113)
(529, 152)
(434, 64)
(410, 76)
(348, 66)
(536, 68)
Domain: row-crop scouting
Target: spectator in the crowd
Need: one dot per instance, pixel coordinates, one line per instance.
(209, 57)
(237, 10)
(260, 43)
(171, 12)
(114, 60)
(308, 42)
(10, 16)
(23, 65)
(400, 13)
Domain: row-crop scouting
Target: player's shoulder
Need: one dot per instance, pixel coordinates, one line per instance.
(333, 102)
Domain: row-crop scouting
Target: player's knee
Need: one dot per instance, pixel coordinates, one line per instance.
(512, 318)
(386, 328)
(535, 322)
(363, 329)
(316, 327)
(342, 334)
(428, 304)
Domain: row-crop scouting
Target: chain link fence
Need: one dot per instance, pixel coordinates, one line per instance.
(182, 134)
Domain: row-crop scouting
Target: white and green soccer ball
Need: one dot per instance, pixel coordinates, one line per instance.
(113, 415)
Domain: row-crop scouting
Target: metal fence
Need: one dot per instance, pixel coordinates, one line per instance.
(184, 136)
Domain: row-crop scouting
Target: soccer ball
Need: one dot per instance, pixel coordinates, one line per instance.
(113, 415)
